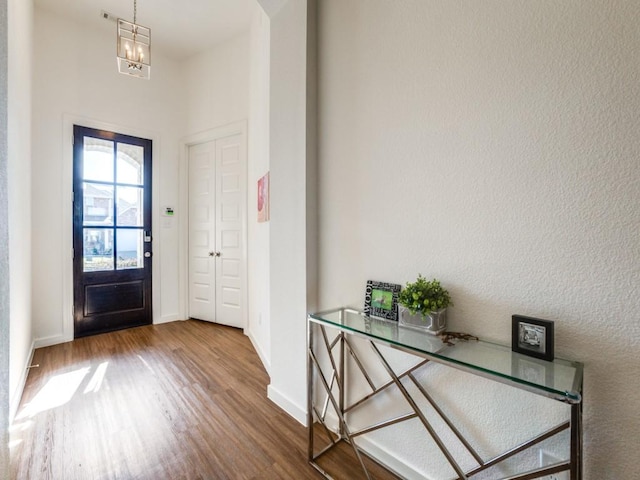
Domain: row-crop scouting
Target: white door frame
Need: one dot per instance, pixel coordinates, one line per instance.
(183, 218)
(68, 121)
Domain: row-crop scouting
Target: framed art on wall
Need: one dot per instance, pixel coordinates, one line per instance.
(264, 213)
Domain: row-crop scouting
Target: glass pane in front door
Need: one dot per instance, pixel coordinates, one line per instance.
(98, 249)
(129, 206)
(97, 159)
(130, 249)
(130, 164)
(97, 199)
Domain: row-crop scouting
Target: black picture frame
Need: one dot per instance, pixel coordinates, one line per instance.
(381, 300)
(533, 337)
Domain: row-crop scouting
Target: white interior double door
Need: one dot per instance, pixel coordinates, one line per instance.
(217, 230)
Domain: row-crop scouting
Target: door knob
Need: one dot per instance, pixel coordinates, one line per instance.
(215, 254)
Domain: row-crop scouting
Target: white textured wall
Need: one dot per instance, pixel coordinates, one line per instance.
(19, 190)
(259, 322)
(75, 76)
(217, 85)
(494, 145)
(287, 242)
(4, 249)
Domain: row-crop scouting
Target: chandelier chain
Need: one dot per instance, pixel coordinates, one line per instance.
(135, 10)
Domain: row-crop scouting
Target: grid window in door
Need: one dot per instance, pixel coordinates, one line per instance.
(113, 205)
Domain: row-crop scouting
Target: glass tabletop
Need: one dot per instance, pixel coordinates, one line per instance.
(559, 379)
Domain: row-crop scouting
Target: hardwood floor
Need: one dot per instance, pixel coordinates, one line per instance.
(184, 400)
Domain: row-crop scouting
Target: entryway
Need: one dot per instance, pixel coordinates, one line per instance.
(111, 231)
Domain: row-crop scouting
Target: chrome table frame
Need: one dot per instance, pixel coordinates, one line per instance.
(340, 346)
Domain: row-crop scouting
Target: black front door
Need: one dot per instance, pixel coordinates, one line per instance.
(111, 231)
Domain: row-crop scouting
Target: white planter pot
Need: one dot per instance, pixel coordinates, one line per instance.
(434, 323)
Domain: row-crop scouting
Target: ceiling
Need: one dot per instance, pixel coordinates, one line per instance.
(179, 28)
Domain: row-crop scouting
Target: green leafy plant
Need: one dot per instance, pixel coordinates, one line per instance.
(423, 296)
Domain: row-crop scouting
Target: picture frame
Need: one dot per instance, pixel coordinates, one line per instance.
(264, 208)
(381, 300)
(533, 337)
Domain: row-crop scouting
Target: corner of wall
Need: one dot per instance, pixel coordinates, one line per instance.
(271, 7)
(258, 348)
(16, 395)
(285, 403)
(259, 321)
(4, 256)
(19, 166)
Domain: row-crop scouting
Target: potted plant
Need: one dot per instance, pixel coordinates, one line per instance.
(424, 304)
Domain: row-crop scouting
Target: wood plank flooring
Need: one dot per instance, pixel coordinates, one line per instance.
(184, 400)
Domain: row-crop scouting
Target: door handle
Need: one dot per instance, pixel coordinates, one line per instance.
(215, 254)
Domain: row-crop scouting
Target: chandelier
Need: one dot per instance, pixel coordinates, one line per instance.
(134, 47)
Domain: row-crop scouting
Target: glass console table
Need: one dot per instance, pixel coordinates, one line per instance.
(330, 345)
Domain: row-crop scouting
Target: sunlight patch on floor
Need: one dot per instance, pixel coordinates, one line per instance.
(14, 443)
(96, 381)
(57, 391)
(21, 427)
(146, 364)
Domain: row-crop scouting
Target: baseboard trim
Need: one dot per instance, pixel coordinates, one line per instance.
(300, 414)
(17, 395)
(167, 319)
(378, 452)
(382, 455)
(52, 340)
(259, 351)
